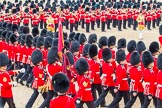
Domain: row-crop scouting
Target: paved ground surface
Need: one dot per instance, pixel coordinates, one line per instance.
(22, 93)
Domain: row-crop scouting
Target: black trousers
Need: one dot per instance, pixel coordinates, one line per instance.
(133, 99)
(76, 25)
(114, 21)
(45, 24)
(33, 98)
(108, 21)
(92, 25)
(149, 25)
(23, 65)
(135, 25)
(98, 23)
(102, 26)
(46, 102)
(30, 79)
(158, 21)
(66, 24)
(56, 26)
(41, 24)
(129, 22)
(27, 72)
(88, 103)
(119, 95)
(147, 102)
(9, 101)
(71, 27)
(119, 24)
(153, 23)
(82, 23)
(87, 27)
(159, 103)
(104, 93)
(124, 23)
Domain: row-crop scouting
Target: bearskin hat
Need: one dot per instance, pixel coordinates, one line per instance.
(51, 34)
(3, 60)
(52, 56)
(43, 32)
(13, 38)
(48, 42)
(4, 24)
(70, 57)
(103, 41)
(14, 27)
(66, 44)
(35, 41)
(36, 57)
(22, 40)
(122, 43)
(81, 66)
(9, 26)
(25, 30)
(75, 46)
(131, 46)
(93, 51)
(71, 36)
(120, 56)
(35, 31)
(60, 82)
(40, 42)
(8, 34)
(29, 40)
(82, 38)
(159, 61)
(76, 36)
(154, 47)
(106, 54)
(135, 58)
(111, 41)
(147, 58)
(55, 42)
(141, 46)
(92, 38)
(85, 49)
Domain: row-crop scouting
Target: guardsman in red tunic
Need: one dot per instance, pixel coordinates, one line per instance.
(154, 49)
(119, 18)
(131, 46)
(103, 41)
(6, 83)
(61, 84)
(76, 17)
(108, 19)
(82, 40)
(136, 77)
(149, 78)
(107, 77)
(39, 78)
(84, 93)
(98, 18)
(125, 18)
(149, 19)
(53, 67)
(158, 94)
(135, 21)
(94, 72)
(114, 18)
(129, 13)
(26, 17)
(72, 22)
(66, 15)
(111, 45)
(82, 16)
(103, 19)
(121, 84)
(158, 14)
(154, 18)
(87, 21)
(93, 19)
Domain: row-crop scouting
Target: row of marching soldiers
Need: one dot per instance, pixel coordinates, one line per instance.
(104, 70)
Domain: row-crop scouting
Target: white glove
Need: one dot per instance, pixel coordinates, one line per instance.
(1, 84)
(14, 84)
(22, 70)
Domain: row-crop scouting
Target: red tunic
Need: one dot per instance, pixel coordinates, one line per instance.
(159, 85)
(62, 102)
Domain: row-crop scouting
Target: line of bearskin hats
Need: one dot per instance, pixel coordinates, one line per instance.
(103, 41)
(131, 46)
(147, 58)
(111, 41)
(134, 58)
(3, 60)
(106, 54)
(48, 42)
(93, 51)
(75, 46)
(25, 30)
(141, 46)
(13, 38)
(159, 61)
(40, 42)
(85, 49)
(120, 56)
(154, 47)
(82, 38)
(52, 55)
(29, 40)
(81, 66)
(36, 57)
(92, 38)
(60, 82)
(122, 43)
